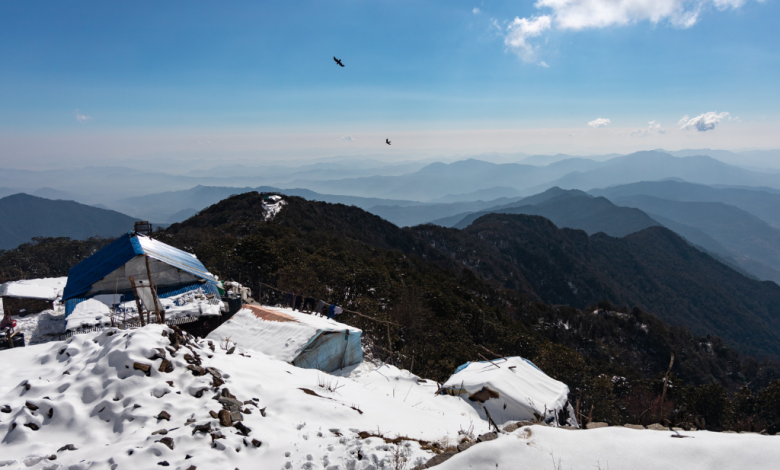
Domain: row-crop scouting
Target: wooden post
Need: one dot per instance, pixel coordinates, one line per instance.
(483, 357)
(154, 293)
(137, 301)
(389, 343)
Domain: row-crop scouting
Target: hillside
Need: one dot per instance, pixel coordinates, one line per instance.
(753, 243)
(763, 204)
(23, 217)
(576, 210)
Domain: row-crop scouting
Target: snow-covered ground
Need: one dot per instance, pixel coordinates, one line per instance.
(92, 392)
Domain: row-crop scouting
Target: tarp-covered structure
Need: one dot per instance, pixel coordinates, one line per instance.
(306, 341)
(512, 389)
(109, 270)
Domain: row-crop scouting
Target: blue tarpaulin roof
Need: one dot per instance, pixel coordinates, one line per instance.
(82, 276)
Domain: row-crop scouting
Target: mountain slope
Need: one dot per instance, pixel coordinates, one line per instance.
(764, 205)
(654, 269)
(23, 217)
(746, 236)
(574, 209)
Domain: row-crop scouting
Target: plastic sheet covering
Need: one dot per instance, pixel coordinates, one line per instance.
(512, 389)
(162, 293)
(304, 340)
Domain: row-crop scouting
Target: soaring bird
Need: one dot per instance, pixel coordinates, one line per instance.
(387, 141)
(338, 61)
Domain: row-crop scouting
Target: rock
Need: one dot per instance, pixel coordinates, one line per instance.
(214, 414)
(512, 427)
(202, 428)
(160, 431)
(465, 445)
(50, 414)
(160, 354)
(262, 412)
(230, 404)
(596, 425)
(224, 418)
(483, 395)
(487, 437)
(211, 346)
(437, 459)
(163, 464)
(145, 368)
(52, 457)
(242, 429)
(231, 350)
(246, 411)
(31, 406)
(214, 372)
(196, 370)
(192, 467)
(166, 366)
(236, 416)
(256, 443)
(167, 441)
(169, 382)
(6, 409)
(657, 427)
(32, 426)
(216, 383)
(199, 393)
(164, 415)
(66, 447)
(634, 426)
(226, 393)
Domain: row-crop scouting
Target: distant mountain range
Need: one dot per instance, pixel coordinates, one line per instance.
(440, 180)
(23, 217)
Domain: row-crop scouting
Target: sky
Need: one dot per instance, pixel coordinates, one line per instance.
(101, 82)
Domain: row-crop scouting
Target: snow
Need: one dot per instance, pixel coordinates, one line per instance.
(49, 288)
(273, 207)
(619, 448)
(282, 338)
(89, 313)
(108, 411)
(42, 327)
(523, 390)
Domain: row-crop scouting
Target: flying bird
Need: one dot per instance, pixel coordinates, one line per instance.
(338, 61)
(387, 141)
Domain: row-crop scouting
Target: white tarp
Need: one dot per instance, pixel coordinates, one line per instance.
(49, 288)
(516, 390)
(89, 313)
(283, 340)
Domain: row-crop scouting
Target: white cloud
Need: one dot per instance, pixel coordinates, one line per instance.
(654, 128)
(348, 138)
(80, 117)
(522, 29)
(702, 122)
(585, 14)
(600, 122)
(475, 11)
(544, 64)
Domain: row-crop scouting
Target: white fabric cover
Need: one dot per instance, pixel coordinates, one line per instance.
(49, 288)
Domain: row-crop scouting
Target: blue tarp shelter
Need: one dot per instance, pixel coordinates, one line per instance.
(109, 270)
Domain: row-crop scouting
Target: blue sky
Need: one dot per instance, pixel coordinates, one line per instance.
(81, 77)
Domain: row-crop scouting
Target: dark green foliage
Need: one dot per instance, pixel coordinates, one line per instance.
(46, 257)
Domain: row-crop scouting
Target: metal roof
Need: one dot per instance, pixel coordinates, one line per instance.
(120, 251)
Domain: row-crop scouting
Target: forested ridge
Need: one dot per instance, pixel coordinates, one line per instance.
(448, 308)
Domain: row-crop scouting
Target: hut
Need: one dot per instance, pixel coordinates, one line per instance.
(30, 295)
(105, 276)
(306, 341)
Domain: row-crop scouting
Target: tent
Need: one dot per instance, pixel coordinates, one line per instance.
(512, 389)
(306, 341)
(107, 273)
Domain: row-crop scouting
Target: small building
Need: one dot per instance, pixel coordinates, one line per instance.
(30, 295)
(306, 341)
(106, 275)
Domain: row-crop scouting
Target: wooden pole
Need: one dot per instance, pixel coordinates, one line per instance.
(137, 301)
(154, 293)
(483, 357)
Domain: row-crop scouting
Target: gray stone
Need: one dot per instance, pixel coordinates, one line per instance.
(487, 437)
(465, 445)
(657, 427)
(437, 459)
(236, 416)
(596, 425)
(634, 426)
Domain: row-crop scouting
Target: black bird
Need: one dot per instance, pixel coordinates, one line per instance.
(338, 61)
(387, 141)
